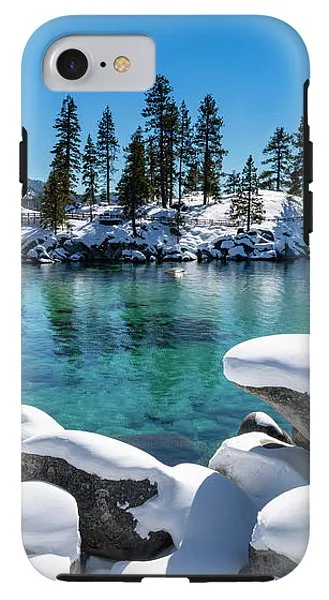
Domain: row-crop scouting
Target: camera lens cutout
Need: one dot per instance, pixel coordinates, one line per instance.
(72, 64)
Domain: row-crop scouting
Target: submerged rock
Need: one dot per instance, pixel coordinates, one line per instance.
(169, 448)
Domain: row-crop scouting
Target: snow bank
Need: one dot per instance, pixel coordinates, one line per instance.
(283, 525)
(36, 422)
(217, 532)
(270, 361)
(51, 565)
(49, 525)
(261, 465)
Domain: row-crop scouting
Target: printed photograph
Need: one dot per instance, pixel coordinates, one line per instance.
(165, 313)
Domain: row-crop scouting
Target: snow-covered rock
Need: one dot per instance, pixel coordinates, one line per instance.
(261, 465)
(280, 537)
(187, 256)
(108, 479)
(51, 565)
(260, 421)
(275, 368)
(217, 532)
(36, 422)
(50, 527)
(237, 252)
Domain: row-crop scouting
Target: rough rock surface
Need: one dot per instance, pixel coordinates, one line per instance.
(293, 406)
(106, 528)
(268, 562)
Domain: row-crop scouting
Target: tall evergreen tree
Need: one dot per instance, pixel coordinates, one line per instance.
(133, 187)
(278, 153)
(232, 183)
(107, 149)
(193, 176)
(171, 140)
(152, 166)
(66, 151)
(209, 143)
(159, 106)
(89, 173)
(185, 151)
(53, 202)
(248, 205)
(297, 161)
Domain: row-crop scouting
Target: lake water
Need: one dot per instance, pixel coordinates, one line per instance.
(129, 350)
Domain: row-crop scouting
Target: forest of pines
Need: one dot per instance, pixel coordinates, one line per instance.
(167, 158)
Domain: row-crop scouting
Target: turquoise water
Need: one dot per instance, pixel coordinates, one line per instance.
(135, 351)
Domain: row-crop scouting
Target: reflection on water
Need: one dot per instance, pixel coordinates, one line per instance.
(133, 351)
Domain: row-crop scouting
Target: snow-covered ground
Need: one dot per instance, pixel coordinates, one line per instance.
(206, 233)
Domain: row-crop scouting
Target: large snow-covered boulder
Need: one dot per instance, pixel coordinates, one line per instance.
(36, 422)
(216, 535)
(50, 528)
(260, 421)
(280, 537)
(261, 465)
(275, 368)
(108, 479)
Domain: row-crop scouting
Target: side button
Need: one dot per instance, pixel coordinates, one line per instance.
(308, 215)
(309, 162)
(23, 161)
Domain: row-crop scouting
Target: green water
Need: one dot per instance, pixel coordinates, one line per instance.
(135, 351)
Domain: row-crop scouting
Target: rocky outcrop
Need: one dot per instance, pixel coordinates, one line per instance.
(292, 405)
(276, 369)
(259, 421)
(280, 536)
(106, 528)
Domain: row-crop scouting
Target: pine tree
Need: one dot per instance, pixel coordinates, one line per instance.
(152, 166)
(53, 202)
(89, 173)
(248, 205)
(209, 143)
(107, 149)
(278, 152)
(297, 161)
(185, 151)
(133, 187)
(193, 176)
(232, 183)
(171, 140)
(66, 151)
(159, 106)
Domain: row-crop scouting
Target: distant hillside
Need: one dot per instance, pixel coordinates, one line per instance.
(33, 195)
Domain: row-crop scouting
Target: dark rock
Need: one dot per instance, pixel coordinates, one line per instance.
(257, 421)
(106, 527)
(268, 562)
(293, 406)
(300, 440)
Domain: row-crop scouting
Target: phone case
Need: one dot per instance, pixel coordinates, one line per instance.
(165, 283)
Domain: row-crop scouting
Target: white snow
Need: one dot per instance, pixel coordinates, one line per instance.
(217, 531)
(49, 523)
(264, 420)
(36, 422)
(273, 361)
(51, 565)
(283, 525)
(263, 472)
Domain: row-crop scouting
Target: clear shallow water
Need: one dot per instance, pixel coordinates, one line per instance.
(133, 351)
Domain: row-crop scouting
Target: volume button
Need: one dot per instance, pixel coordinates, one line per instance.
(23, 161)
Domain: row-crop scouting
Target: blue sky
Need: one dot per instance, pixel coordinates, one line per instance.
(254, 66)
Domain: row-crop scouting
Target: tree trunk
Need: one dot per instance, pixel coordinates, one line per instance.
(108, 198)
(206, 164)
